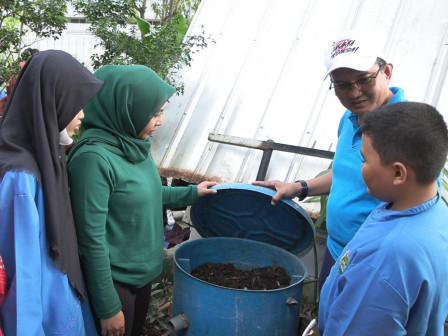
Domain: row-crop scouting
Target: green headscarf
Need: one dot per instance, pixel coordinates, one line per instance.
(130, 97)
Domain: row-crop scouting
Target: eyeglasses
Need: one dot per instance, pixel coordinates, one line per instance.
(362, 83)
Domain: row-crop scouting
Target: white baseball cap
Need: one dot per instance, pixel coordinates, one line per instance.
(353, 50)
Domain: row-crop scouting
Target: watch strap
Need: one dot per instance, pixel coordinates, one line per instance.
(304, 190)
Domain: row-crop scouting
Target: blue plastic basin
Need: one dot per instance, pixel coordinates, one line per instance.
(219, 311)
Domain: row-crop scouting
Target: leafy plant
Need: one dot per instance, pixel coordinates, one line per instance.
(323, 199)
(45, 18)
(127, 38)
(161, 295)
(445, 183)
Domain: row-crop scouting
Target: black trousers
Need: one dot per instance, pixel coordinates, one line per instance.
(134, 304)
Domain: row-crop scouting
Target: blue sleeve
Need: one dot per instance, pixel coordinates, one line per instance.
(40, 300)
(366, 305)
(23, 265)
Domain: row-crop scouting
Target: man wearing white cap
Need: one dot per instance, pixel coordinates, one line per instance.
(360, 78)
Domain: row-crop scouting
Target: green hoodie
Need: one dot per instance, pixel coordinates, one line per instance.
(116, 190)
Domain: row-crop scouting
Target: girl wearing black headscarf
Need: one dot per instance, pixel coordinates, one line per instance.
(37, 236)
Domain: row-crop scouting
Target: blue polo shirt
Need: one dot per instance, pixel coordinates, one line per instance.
(349, 204)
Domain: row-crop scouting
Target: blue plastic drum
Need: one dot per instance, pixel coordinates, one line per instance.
(241, 227)
(212, 310)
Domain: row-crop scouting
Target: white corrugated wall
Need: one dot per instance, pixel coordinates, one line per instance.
(264, 79)
(76, 40)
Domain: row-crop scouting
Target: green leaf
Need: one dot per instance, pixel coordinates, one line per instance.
(180, 24)
(323, 200)
(323, 211)
(312, 199)
(445, 182)
(144, 26)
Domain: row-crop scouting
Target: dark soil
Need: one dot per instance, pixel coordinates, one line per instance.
(227, 275)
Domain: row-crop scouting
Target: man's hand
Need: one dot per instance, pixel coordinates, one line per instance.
(284, 189)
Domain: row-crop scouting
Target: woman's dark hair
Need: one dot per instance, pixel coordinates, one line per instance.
(27, 53)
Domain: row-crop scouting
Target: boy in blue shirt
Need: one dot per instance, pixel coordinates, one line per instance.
(392, 277)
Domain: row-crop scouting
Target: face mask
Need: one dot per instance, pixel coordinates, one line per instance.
(64, 139)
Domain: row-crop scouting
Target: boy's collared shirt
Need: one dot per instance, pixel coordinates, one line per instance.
(391, 278)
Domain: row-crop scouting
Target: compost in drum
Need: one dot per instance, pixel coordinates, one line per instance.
(227, 275)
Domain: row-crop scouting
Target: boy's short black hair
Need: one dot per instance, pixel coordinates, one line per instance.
(412, 133)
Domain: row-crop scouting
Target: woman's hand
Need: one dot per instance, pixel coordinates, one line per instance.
(203, 188)
(113, 326)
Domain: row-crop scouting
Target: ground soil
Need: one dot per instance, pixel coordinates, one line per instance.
(227, 275)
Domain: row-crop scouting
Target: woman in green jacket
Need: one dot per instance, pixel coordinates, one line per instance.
(117, 196)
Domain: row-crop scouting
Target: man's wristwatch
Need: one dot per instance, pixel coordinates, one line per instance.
(304, 190)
